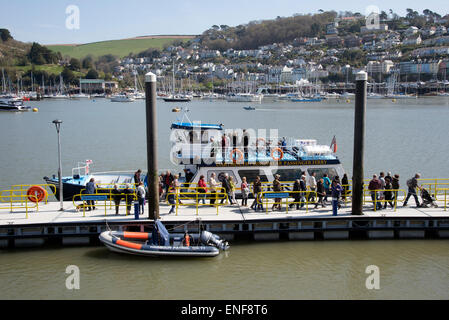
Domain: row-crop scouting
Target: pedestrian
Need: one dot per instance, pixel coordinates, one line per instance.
(90, 190)
(129, 197)
(327, 185)
(245, 192)
(140, 191)
(245, 144)
(395, 186)
(257, 189)
(374, 187)
(232, 190)
(202, 188)
(345, 185)
(336, 190)
(117, 197)
(189, 175)
(177, 186)
(213, 185)
(382, 185)
(312, 185)
(168, 179)
(226, 188)
(161, 188)
(388, 192)
(277, 187)
(296, 194)
(321, 192)
(137, 178)
(412, 185)
(303, 189)
(171, 197)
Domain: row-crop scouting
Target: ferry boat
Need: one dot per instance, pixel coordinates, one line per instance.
(197, 147)
(12, 104)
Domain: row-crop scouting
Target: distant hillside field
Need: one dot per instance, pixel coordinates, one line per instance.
(119, 48)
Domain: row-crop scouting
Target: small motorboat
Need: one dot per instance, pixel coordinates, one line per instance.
(161, 243)
(249, 108)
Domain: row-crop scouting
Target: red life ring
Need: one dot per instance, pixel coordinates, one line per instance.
(36, 194)
(262, 140)
(240, 155)
(281, 154)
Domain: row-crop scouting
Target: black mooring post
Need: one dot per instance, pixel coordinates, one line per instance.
(152, 176)
(359, 143)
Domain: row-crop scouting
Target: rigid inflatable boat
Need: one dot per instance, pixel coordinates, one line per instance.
(161, 243)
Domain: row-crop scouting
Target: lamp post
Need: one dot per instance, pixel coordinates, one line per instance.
(61, 193)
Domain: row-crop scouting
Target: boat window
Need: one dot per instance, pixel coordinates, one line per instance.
(252, 174)
(331, 172)
(219, 174)
(288, 174)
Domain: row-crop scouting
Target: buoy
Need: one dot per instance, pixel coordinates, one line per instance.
(36, 194)
(280, 154)
(35, 109)
(239, 154)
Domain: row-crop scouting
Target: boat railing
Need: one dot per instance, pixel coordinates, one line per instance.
(14, 201)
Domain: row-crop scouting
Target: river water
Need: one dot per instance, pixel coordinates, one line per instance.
(403, 137)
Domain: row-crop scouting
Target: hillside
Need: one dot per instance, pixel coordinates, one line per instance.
(119, 48)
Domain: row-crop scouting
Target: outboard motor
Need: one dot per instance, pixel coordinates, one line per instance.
(208, 238)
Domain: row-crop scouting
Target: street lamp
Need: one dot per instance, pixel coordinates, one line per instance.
(61, 194)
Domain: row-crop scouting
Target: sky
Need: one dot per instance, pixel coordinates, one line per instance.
(44, 21)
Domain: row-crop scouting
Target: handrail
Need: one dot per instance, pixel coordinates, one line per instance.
(305, 196)
(197, 196)
(23, 199)
(381, 191)
(20, 187)
(446, 196)
(109, 197)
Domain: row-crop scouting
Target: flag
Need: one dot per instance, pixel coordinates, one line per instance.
(333, 145)
(88, 162)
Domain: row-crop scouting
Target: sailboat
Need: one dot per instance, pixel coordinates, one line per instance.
(80, 95)
(176, 97)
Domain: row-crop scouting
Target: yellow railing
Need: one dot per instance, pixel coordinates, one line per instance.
(442, 191)
(108, 197)
(23, 188)
(19, 201)
(395, 195)
(197, 197)
(431, 185)
(305, 197)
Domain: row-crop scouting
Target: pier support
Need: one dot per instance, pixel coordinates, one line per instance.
(151, 123)
(359, 143)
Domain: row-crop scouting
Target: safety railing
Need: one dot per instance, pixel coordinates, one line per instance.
(302, 198)
(196, 197)
(109, 200)
(378, 197)
(444, 193)
(23, 189)
(19, 201)
(431, 185)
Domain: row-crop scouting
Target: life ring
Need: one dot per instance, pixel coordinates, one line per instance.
(261, 139)
(281, 154)
(36, 194)
(240, 155)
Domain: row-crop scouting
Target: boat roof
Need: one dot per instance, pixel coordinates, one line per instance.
(188, 125)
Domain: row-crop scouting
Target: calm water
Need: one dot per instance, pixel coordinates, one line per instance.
(402, 137)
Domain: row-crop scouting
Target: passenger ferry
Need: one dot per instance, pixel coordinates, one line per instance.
(197, 147)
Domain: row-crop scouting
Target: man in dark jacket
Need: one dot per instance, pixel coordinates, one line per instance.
(412, 184)
(117, 197)
(375, 186)
(226, 186)
(90, 190)
(257, 188)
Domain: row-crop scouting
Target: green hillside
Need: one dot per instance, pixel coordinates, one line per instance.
(119, 48)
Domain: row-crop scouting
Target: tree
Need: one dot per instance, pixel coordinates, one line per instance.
(75, 64)
(87, 62)
(92, 74)
(5, 35)
(68, 75)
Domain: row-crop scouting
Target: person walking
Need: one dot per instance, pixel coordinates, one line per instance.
(226, 187)
(116, 197)
(312, 185)
(140, 191)
(202, 188)
(336, 190)
(374, 186)
(321, 192)
(213, 185)
(171, 197)
(137, 178)
(388, 192)
(129, 197)
(303, 188)
(90, 190)
(257, 189)
(245, 192)
(232, 190)
(412, 185)
(168, 179)
(395, 186)
(327, 185)
(296, 194)
(345, 186)
(277, 187)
